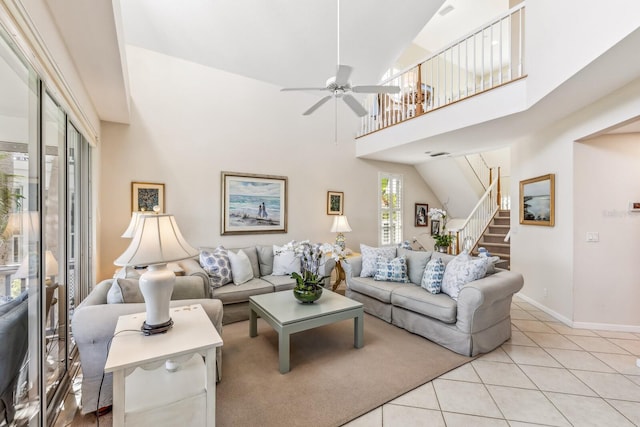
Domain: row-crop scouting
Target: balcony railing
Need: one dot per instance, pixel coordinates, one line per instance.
(486, 58)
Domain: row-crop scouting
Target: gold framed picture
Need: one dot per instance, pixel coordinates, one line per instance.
(253, 203)
(146, 195)
(537, 201)
(335, 202)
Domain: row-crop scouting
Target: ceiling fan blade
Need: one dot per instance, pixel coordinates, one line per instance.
(286, 89)
(354, 105)
(342, 75)
(376, 89)
(317, 105)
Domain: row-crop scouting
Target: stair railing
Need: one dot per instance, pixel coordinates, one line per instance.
(480, 217)
(486, 58)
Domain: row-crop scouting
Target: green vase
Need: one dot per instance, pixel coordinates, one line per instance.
(307, 293)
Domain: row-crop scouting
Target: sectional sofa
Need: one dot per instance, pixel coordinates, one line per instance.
(478, 322)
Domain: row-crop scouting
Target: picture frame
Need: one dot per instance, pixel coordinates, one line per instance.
(435, 227)
(420, 212)
(335, 203)
(537, 201)
(253, 203)
(146, 195)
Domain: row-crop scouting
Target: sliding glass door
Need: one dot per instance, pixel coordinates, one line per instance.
(44, 242)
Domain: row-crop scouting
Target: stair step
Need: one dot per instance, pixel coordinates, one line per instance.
(499, 229)
(504, 213)
(493, 238)
(501, 221)
(501, 256)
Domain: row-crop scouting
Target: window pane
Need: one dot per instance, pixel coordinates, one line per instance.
(19, 233)
(54, 125)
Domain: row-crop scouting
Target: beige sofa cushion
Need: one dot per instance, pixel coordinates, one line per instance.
(379, 290)
(230, 294)
(438, 306)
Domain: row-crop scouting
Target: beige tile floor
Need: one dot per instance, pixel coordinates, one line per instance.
(547, 374)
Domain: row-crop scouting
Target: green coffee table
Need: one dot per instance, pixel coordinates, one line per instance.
(287, 316)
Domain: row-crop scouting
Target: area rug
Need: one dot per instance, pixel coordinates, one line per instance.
(330, 382)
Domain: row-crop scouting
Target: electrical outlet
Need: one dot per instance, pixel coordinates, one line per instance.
(593, 236)
(545, 293)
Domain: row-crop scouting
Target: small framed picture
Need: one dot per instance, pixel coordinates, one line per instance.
(421, 215)
(335, 202)
(435, 227)
(146, 195)
(537, 200)
(634, 206)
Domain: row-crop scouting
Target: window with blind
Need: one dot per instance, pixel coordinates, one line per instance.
(390, 209)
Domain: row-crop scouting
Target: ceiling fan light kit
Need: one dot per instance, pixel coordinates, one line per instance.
(340, 86)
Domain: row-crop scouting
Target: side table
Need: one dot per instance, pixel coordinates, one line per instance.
(340, 275)
(145, 393)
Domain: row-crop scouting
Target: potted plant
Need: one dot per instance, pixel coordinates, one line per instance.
(312, 256)
(444, 239)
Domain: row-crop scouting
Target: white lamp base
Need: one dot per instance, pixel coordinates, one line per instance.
(156, 285)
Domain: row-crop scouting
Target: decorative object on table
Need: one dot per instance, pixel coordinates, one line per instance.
(253, 203)
(340, 225)
(421, 210)
(442, 238)
(335, 203)
(537, 206)
(146, 195)
(311, 256)
(157, 241)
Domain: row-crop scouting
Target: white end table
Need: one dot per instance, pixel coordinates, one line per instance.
(152, 395)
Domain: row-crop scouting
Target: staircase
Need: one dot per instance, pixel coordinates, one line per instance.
(493, 238)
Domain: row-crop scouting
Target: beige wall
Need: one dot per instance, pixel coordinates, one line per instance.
(607, 273)
(189, 123)
(587, 285)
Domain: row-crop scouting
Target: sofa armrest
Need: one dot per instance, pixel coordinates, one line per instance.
(352, 267)
(485, 302)
(98, 294)
(192, 267)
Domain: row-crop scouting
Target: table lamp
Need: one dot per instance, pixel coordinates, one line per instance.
(340, 225)
(157, 240)
(131, 229)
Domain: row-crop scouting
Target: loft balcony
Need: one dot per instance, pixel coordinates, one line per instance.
(485, 59)
(492, 88)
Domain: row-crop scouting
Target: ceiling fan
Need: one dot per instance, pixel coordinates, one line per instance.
(340, 87)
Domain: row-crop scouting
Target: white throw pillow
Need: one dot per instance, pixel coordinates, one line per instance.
(285, 261)
(370, 258)
(460, 271)
(241, 268)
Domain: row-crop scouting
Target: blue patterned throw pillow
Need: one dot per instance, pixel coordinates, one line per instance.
(216, 264)
(394, 270)
(460, 271)
(370, 256)
(432, 276)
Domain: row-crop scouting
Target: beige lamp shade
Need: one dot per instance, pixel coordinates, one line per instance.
(157, 240)
(340, 224)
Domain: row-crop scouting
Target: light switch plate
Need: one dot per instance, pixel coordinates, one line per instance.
(593, 236)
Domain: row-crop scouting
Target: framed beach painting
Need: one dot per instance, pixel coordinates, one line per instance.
(537, 205)
(146, 195)
(253, 203)
(335, 202)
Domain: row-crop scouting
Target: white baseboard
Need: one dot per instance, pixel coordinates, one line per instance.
(579, 325)
(547, 310)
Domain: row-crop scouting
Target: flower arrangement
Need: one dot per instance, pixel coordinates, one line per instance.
(443, 239)
(312, 257)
